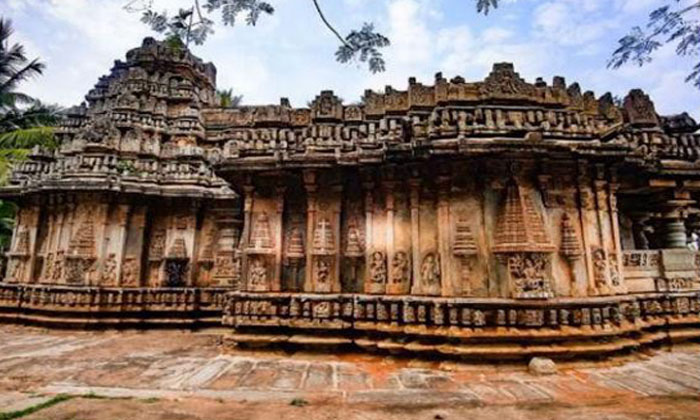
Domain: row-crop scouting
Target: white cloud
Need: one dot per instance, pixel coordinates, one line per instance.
(291, 53)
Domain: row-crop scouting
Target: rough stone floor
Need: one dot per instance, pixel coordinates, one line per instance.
(185, 375)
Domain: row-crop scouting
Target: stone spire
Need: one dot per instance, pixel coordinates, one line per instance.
(464, 244)
(570, 246)
(295, 246)
(353, 248)
(520, 227)
(83, 242)
(178, 250)
(323, 238)
(261, 237)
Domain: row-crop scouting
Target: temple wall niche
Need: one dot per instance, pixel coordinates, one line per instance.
(469, 257)
(428, 278)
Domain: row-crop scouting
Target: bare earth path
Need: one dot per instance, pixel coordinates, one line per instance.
(183, 375)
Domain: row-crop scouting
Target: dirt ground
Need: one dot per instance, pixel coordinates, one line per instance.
(683, 408)
(62, 375)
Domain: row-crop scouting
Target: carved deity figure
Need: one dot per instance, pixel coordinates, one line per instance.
(109, 273)
(130, 272)
(258, 274)
(528, 273)
(400, 268)
(430, 274)
(377, 268)
(16, 270)
(600, 266)
(323, 271)
(58, 267)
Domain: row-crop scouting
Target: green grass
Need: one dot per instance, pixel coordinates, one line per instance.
(33, 409)
(299, 402)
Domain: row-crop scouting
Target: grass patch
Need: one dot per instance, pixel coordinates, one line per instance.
(33, 409)
(147, 400)
(299, 402)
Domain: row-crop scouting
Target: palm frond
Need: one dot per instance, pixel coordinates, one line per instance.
(26, 138)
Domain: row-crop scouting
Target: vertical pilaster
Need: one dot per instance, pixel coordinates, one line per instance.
(414, 185)
(336, 223)
(443, 240)
(391, 286)
(276, 281)
(32, 224)
(585, 206)
(311, 189)
(248, 192)
(368, 186)
(617, 239)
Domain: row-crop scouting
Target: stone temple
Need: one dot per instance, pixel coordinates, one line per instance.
(491, 219)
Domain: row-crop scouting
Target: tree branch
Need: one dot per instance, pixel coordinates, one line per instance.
(329, 26)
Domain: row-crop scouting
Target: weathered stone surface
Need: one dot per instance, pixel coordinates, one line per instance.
(542, 366)
(467, 220)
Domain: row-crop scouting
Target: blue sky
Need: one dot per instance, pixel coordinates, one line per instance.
(291, 54)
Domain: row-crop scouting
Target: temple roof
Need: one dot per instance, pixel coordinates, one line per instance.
(153, 126)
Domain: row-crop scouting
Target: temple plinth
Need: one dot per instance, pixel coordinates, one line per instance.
(489, 219)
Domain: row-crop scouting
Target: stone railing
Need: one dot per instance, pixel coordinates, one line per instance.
(661, 270)
(91, 305)
(462, 327)
(343, 311)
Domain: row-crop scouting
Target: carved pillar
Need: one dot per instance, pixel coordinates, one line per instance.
(368, 187)
(276, 281)
(248, 193)
(389, 191)
(227, 269)
(443, 240)
(336, 222)
(33, 227)
(672, 215)
(130, 275)
(67, 230)
(120, 240)
(586, 206)
(311, 188)
(414, 185)
(616, 261)
(192, 243)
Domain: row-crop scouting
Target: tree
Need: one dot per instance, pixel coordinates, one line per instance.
(24, 121)
(669, 24)
(227, 99)
(195, 24)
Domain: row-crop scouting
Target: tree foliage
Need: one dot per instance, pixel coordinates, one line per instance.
(674, 23)
(24, 121)
(227, 99)
(196, 24)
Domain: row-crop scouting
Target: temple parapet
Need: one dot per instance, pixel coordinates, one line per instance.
(460, 219)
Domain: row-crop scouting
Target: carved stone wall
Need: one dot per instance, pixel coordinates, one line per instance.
(404, 209)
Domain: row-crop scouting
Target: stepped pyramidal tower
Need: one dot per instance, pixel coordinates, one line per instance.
(442, 218)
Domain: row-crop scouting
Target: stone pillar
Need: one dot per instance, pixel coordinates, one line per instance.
(120, 240)
(276, 281)
(368, 187)
(33, 226)
(673, 213)
(617, 269)
(673, 234)
(586, 207)
(443, 240)
(248, 192)
(389, 191)
(336, 286)
(311, 188)
(414, 184)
